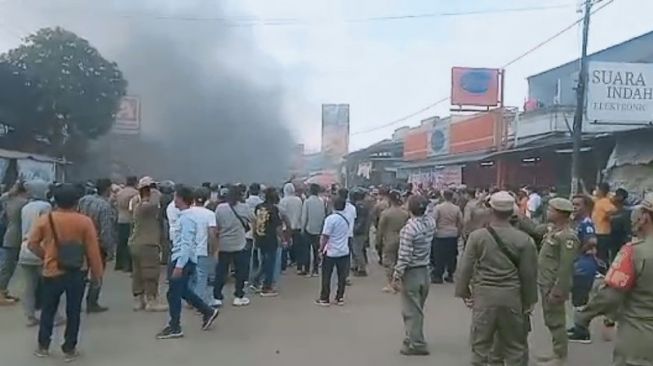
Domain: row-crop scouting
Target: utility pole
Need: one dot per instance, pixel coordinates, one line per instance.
(580, 102)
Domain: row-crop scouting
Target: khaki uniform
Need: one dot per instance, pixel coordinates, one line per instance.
(501, 292)
(475, 216)
(391, 222)
(555, 272)
(144, 245)
(633, 308)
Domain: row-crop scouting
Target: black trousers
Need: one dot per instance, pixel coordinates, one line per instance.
(123, 257)
(603, 249)
(444, 255)
(313, 243)
(302, 251)
(72, 284)
(342, 267)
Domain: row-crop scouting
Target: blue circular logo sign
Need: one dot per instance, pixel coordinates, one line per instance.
(476, 81)
(438, 141)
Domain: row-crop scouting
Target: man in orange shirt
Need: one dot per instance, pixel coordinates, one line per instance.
(65, 226)
(601, 215)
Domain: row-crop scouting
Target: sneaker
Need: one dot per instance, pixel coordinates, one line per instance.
(6, 300)
(169, 333)
(32, 321)
(302, 273)
(324, 303)
(315, 274)
(42, 352)
(448, 279)
(388, 289)
(255, 289)
(407, 350)
(139, 303)
(154, 306)
(269, 293)
(340, 302)
(208, 320)
(71, 356)
(348, 282)
(570, 331)
(96, 309)
(215, 303)
(241, 301)
(580, 336)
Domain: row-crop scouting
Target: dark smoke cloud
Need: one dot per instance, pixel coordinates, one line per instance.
(211, 100)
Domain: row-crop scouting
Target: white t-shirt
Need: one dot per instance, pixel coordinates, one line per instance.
(350, 215)
(172, 213)
(252, 202)
(336, 228)
(204, 219)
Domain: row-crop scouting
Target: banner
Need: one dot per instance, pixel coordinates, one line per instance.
(475, 87)
(620, 92)
(128, 117)
(439, 179)
(335, 133)
(29, 169)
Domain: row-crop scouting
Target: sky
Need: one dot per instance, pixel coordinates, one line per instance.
(388, 69)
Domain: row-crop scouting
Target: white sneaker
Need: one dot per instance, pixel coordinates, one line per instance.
(241, 301)
(215, 303)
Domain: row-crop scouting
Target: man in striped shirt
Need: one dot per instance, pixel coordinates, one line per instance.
(411, 275)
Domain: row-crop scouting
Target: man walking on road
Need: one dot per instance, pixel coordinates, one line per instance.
(411, 275)
(125, 219)
(12, 205)
(498, 280)
(313, 215)
(448, 226)
(97, 207)
(560, 248)
(183, 260)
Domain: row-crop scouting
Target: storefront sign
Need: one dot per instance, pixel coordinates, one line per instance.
(620, 92)
(335, 133)
(416, 145)
(438, 178)
(475, 87)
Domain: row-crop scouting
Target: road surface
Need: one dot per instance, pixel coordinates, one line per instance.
(288, 330)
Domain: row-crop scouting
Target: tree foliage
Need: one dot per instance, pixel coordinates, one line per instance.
(64, 90)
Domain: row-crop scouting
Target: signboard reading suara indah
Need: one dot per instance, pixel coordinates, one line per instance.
(620, 92)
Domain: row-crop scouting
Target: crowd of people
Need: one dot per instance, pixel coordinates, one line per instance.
(519, 247)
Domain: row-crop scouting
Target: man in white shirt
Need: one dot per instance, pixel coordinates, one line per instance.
(533, 204)
(291, 208)
(253, 199)
(206, 245)
(334, 247)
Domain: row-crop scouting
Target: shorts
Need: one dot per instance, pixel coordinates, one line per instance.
(581, 289)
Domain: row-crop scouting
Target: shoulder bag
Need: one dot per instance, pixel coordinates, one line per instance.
(70, 254)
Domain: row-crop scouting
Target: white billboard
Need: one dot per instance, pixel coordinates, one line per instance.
(620, 93)
(128, 117)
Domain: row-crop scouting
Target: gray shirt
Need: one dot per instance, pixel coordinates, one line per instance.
(313, 214)
(231, 231)
(29, 214)
(13, 207)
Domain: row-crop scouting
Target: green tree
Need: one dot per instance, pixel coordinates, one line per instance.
(74, 91)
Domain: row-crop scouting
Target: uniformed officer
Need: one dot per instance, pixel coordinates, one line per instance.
(627, 291)
(560, 247)
(498, 280)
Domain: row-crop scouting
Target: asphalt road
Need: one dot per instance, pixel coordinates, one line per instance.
(288, 330)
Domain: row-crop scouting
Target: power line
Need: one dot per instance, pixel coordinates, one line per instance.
(506, 65)
(244, 21)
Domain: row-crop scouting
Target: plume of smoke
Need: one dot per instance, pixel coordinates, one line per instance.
(211, 103)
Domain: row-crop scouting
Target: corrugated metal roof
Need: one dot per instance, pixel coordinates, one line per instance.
(12, 154)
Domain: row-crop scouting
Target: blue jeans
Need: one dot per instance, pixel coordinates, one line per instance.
(73, 285)
(269, 255)
(240, 261)
(200, 279)
(178, 289)
(278, 265)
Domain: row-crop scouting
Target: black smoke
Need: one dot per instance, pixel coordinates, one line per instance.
(211, 101)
